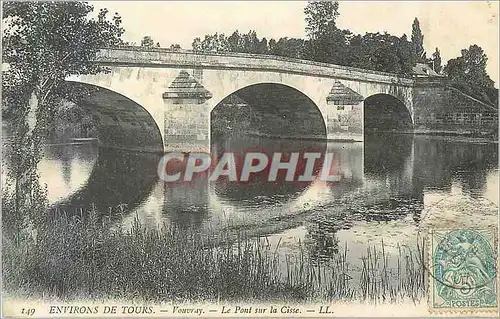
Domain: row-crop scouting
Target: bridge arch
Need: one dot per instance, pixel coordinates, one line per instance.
(386, 112)
(120, 121)
(266, 117)
(270, 109)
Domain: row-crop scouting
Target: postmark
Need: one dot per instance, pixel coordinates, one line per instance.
(463, 270)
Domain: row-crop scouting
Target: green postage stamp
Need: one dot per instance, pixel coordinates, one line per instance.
(463, 270)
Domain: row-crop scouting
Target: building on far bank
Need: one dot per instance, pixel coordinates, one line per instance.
(424, 70)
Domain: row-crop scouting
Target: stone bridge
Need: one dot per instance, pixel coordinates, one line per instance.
(161, 99)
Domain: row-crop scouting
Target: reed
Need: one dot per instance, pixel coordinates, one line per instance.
(85, 255)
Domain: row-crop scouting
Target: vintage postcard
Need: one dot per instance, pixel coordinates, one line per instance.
(250, 158)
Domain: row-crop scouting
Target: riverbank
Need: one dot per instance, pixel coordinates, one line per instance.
(89, 258)
(96, 260)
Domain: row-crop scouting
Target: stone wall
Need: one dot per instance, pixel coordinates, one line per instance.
(187, 127)
(242, 61)
(187, 115)
(345, 122)
(443, 109)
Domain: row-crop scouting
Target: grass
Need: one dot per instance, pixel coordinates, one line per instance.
(407, 280)
(85, 255)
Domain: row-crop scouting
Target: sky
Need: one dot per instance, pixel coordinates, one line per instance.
(449, 25)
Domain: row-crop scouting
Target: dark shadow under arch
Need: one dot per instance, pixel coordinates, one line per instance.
(130, 146)
(268, 109)
(120, 122)
(387, 154)
(386, 113)
(266, 118)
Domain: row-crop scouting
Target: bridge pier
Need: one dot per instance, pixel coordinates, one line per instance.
(187, 116)
(344, 114)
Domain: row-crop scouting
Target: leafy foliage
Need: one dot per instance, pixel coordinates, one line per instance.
(236, 42)
(375, 51)
(417, 38)
(468, 73)
(383, 52)
(147, 41)
(332, 45)
(325, 43)
(43, 43)
(288, 47)
(436, 61)
(320, 16)
(174, 47)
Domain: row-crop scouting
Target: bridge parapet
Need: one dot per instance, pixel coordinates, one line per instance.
(160, 57)
(438, 81)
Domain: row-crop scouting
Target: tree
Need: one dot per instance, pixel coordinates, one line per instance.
(250, 42)
(381, 52)
(43, 43)
(263, 48)
(468, 73)
(406, 58)
(175, 47)
(220, 43)
(235, 42)
(147, 42)
(469, 68)
(212, 43)
(326, 43)
(417, 38)
(196, 44)
(436, 61)
(320, 15)
(332, 46)
(292, 48)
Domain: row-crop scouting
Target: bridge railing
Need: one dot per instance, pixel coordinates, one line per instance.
(395, 78)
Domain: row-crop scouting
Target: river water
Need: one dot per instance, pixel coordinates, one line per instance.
(389, 187)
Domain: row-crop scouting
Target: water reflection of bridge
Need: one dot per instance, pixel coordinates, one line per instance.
(391, 184)
(381, 182)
